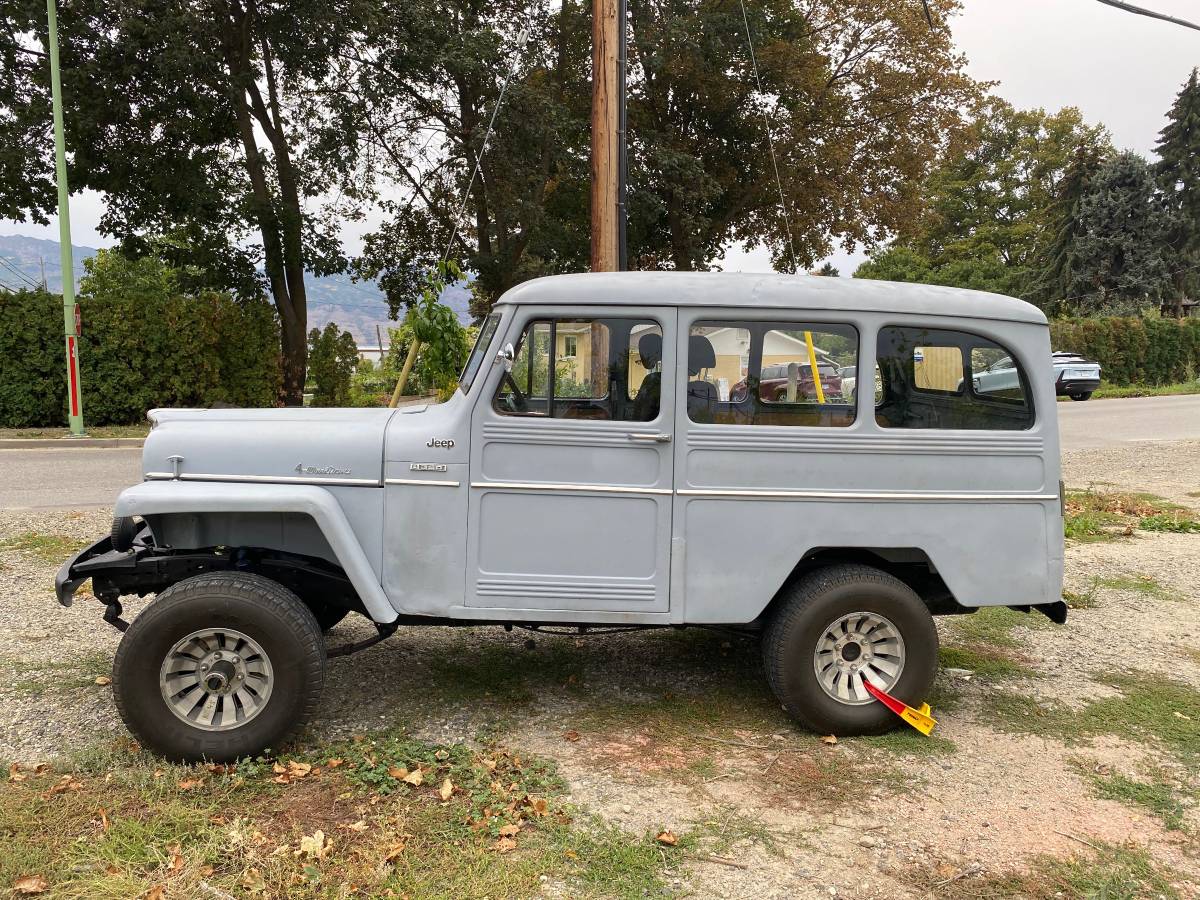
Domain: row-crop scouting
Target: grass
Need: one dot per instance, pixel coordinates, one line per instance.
(102, 431)
(1083, 600)
(47, 548)
(1158, 797)
(1146, 585)
(119, 823)
(38, 678)
(1110, 391)
(1108, 515)
(993, 626)
(1148, 708)
(909, 742)
(983, 661)
(1107, 872)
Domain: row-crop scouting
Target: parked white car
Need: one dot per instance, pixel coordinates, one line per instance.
(1075, 376)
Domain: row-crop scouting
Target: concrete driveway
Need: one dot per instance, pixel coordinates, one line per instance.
(83, 477)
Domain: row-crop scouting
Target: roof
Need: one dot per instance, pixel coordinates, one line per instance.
(777, 291)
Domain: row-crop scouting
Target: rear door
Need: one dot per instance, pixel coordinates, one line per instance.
(571, 467)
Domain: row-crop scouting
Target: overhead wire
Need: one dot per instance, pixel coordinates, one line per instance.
(1149, 13)
(787, 223)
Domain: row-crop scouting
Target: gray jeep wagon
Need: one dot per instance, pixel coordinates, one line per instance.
(595, 470)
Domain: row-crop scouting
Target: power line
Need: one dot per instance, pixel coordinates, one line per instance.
(787, 224)
(1142, 11)
(22, 276)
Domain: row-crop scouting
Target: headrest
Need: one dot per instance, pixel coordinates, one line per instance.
(650, 349)
(701, 354)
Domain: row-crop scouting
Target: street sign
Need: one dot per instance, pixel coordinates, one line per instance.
(78, 322)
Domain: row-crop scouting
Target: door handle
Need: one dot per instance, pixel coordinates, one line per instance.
(657, 438)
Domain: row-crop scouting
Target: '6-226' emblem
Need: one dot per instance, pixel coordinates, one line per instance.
(320, 470)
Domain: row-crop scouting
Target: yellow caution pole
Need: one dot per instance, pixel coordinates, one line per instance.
(812, 362)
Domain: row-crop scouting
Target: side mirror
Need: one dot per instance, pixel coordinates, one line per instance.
(505, 357)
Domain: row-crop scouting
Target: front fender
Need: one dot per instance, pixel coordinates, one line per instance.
(164, 497)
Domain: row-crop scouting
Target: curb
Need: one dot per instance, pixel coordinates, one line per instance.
(67, 443)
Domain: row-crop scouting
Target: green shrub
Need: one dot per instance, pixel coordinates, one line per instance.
(1133, 350)
(332, 358)
(144, 344)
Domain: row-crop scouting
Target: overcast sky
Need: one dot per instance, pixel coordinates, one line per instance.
(1119, 69)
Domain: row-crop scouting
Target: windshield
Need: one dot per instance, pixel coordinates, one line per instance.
(475, 360)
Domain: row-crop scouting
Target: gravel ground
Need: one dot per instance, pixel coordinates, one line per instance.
(678, 729)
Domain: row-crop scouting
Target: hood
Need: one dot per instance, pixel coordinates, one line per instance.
(334, 446)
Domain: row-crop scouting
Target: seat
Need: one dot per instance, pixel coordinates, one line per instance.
(645, 405)
(701, 395)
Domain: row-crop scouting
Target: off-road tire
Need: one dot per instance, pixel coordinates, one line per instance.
(263, 610)
(812, 604)
(1082, 395)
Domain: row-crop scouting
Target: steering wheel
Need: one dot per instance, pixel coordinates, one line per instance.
(517, 401)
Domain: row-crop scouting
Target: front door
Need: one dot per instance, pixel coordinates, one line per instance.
(571, 466)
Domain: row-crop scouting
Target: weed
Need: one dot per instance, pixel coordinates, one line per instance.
(993, 626)
(1158, 797)
(983, 661)
(1140, 584)
(48, 548)
(907, 741)
(1110, 871)
(1106, 515)
(1086, 600)
(1177, 522)
(724, 829)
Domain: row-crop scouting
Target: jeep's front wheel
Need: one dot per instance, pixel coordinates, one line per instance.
(838, 627)
(221, 666)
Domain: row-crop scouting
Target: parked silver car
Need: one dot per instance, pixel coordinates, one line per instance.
(594, 471)
(1074, 376)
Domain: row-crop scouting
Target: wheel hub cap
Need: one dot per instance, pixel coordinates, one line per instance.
(216, 679)
(855, 648)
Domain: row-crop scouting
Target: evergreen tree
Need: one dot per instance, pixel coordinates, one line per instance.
(1118, 264)
(1052, 283)
(1178, 174)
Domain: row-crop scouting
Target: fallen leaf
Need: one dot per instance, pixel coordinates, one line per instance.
(394, 852)
(31, 884)
(315, 845)
(571, 736)
(334, 763)
(442, 755)
(414, 778)
(190, 784)
(298, 769)
(398, 772)
(510, 830)
(446, 790)
(829, 739)
(207, 871)
(103, 820)
(360, 825)
(112, 870)
(103, 680)
(15, 773)
(1183, 716)
(570, 854)
(667, 837)
(252, 880)
(538, 804)
(176, 858)
(489, 764)
(158, 892)
(504, 845)
(279, 768)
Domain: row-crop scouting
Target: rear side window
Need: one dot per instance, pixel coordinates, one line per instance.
(936, 378)
(771, 373)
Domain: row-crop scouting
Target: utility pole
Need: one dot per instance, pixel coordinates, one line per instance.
(70, 319)
(605, 144)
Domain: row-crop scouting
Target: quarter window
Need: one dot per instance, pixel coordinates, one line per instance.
(604, 369)
(935, 378)
(471, 369)
(771, 373)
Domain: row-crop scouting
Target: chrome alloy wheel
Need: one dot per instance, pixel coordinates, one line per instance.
(858, 646)
(216, 679)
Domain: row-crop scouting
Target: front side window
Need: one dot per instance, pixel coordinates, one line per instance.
(937, 378)
(601, 369)
(475, 360)
(770, 373)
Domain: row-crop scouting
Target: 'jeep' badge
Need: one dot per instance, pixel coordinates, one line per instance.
(440, 442)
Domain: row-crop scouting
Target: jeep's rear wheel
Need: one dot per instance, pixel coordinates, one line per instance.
(838, 627)
(219, 667)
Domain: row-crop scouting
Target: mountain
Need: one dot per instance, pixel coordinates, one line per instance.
(357, 307)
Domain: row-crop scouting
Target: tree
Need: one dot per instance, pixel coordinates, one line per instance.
(1055, 271)
(828, 270)
(27, 186)
(1178, 172)
(860, 97)
(333, 356)
(225, 124)
(1118, 262)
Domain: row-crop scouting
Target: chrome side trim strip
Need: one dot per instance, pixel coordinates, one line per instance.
(262, 479)
(923, 496)
(581, 488)
(422, 481)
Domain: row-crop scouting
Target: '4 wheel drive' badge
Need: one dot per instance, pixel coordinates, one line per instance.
(320, 470)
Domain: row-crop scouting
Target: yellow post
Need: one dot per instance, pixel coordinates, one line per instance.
(413, 349)
(812, 363)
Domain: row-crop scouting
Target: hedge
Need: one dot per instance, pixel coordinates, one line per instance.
(1132, 350)
(144, 345)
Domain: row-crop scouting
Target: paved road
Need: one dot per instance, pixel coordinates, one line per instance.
(1109, 423)
(71, 479)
